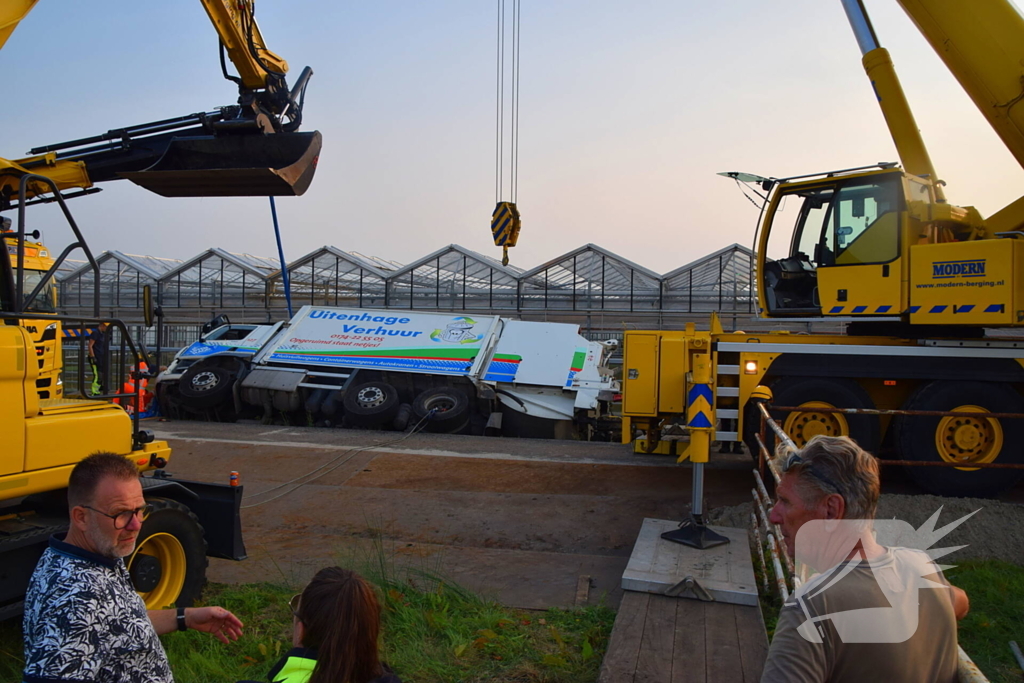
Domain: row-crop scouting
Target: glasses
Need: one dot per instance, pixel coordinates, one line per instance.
(293, 605)
(123, 519)
(809, 469)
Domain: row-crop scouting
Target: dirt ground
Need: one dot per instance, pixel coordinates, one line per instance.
(519, 520)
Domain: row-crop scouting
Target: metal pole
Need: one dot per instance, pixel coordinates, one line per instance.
(697, 506)
(280, 255)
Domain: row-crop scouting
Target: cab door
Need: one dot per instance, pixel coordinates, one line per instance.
(858, 257)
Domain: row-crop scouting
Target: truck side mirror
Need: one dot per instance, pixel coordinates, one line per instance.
(147, 305)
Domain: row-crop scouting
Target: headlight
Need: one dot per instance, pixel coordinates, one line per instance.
(750, 367)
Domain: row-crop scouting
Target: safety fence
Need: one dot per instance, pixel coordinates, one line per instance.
(788, 574)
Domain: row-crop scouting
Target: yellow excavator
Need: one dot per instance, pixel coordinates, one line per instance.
(46, 339)
(250, 148)
(921, 285)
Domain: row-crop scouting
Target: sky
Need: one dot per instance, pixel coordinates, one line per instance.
(627, 112)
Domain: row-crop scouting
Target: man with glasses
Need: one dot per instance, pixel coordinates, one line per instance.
(83, 619)
(871, 613)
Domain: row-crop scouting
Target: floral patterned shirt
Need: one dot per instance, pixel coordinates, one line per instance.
(84, 623)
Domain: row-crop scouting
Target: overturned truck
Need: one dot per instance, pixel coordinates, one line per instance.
(393, 369)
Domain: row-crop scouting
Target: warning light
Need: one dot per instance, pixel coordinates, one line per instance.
(750, 367)
(889, 382)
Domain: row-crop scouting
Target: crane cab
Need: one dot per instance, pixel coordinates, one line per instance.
(879, 245)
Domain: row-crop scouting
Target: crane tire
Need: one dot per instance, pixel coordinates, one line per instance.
(824, 392)
(965, 439)
(168, 565)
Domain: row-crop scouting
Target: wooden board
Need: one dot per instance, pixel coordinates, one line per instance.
(677, 640)
(726, 572)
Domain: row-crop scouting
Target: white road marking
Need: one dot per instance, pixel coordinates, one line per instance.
(412, 451)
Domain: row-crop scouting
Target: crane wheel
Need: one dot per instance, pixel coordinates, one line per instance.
(168, 566)
(967, 440)
(813, 393)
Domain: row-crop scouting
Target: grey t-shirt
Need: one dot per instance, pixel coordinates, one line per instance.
(84, 622)
(851, 608)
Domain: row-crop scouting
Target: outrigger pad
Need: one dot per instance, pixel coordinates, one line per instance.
(279, 165)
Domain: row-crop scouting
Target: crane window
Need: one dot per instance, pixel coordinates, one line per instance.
(811, 224)
(864, 224)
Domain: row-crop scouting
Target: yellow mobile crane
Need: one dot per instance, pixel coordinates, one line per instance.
(916, 280)
(251, 148)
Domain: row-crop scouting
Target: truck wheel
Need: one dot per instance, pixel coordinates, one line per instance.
(809, 393)
(370, 404)
(450, 406)
(205, 386)
(967, 440)
(402, 417)
(168, 566)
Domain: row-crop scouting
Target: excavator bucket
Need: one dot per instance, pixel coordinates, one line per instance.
(279, 165)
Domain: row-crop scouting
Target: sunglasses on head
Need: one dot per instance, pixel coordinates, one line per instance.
(809, 469)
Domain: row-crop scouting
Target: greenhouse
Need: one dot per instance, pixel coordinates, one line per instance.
(121, 279)
(454, 278)
(217, 280)
(591, 286)
(332, 277)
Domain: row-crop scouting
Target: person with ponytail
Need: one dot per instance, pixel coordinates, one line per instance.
(336, 627)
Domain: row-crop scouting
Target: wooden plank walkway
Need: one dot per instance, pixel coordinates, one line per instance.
(658, 639)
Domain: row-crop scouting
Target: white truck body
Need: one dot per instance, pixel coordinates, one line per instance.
(547, 370)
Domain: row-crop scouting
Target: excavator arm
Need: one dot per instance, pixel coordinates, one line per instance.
(251, 148)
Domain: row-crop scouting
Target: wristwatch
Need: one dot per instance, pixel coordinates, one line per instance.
(182, 626)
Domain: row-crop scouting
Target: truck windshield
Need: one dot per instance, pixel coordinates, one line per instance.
(46, 302)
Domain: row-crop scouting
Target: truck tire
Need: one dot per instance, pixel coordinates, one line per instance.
(402, 418)
(823, 392)
(205, 385)
(168, 566)
(371, 404)
(450, 406)
(962, 439)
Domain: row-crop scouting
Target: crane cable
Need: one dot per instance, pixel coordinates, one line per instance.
(505, 222)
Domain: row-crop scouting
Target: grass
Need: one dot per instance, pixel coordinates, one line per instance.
(432, 631)
(996, 592)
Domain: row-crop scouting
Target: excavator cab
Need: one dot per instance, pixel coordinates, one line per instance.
(844, 249)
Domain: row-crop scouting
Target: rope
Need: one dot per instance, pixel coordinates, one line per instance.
(344, 458)
(516, 16)
(499, 153)
(501, 98)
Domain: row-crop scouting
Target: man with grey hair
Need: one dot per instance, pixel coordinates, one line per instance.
(872, 612)
(84, 622)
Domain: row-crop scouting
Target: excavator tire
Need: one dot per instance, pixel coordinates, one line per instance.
(169, 564)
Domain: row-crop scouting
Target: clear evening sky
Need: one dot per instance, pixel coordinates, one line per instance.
(627, 112)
